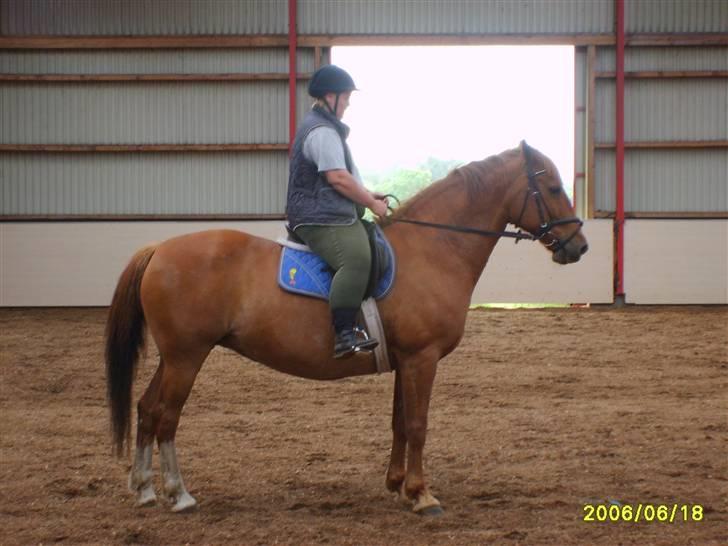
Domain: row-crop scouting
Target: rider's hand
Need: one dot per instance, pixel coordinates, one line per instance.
(379, 207)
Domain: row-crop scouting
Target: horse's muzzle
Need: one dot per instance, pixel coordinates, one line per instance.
(571, 252)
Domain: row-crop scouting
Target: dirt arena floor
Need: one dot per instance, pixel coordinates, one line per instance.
(537, 414)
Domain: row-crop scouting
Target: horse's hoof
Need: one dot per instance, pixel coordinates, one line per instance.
(147, 497)
(427, 505)
(432, 511)
(185, 503)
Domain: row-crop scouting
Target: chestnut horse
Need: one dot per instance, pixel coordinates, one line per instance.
(219, 288)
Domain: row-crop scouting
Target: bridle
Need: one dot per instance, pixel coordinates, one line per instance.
(545, 225)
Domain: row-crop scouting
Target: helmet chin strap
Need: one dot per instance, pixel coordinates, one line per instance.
(336, 105)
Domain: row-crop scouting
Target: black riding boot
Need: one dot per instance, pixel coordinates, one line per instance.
(347, 340)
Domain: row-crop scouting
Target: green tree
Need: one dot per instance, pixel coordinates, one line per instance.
(403, 183)
(440, 168)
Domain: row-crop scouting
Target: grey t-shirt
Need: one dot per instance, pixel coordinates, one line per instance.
(323, 147)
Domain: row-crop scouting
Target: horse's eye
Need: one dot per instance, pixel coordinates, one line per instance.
(555, 191)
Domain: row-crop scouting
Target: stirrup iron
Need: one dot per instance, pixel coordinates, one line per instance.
(367, 343)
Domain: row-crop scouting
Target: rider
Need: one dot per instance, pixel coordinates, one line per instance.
(326, 200)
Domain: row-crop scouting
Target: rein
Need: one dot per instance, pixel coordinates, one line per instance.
(518, 235)
(544, 227)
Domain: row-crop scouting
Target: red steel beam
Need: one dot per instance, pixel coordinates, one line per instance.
(619, 216)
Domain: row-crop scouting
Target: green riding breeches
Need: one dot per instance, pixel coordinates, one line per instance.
(346, 250)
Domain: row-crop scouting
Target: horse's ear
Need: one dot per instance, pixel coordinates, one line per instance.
(526, 151)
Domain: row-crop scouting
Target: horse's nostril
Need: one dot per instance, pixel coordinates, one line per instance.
(584, 249)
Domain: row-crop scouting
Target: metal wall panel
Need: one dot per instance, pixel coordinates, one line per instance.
(78, 263)
(676, 262)
(143, 17)
(191, 17)
(144, 113)
(676, 16)
(152, 61)
(454, 17)
(303, 101)
(664, 110)
(206, 183)
(665, 58)
(605, 111)
(665, 180)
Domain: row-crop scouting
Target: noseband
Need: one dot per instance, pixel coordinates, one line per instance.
(546, 223)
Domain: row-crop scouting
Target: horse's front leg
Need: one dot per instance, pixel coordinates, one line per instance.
(418, 374)
(395, 472)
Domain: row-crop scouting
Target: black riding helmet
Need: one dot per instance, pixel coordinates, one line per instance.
(330, 79)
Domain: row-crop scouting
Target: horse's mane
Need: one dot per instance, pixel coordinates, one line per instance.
(476, 177)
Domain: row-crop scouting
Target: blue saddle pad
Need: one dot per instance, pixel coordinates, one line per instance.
(303, 272)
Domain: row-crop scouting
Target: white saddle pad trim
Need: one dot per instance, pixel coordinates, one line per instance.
(283, 241)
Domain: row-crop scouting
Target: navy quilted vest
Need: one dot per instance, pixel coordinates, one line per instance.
(311, 199)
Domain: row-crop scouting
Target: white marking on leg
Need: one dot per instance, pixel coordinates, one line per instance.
(140, 477)
(401, 496)
(425, 500)
(174, 487)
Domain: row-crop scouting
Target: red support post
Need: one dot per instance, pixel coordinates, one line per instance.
(292, 70)
(619, 216)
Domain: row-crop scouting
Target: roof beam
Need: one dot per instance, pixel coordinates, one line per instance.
(329, 40)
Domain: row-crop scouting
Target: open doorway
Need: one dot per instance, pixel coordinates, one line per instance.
(424, 110)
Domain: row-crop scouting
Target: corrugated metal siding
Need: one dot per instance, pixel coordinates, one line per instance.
(209, 183)
(605, 111)
(147, 113)
(665, 58)
(676, 16)
(144, 113)
(303, 101)
(665, 110)
(665, 180)
(454, 16)
(190, 17)
(143, 17)
(152, 61)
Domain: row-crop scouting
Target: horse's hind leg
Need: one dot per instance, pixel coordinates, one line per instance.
(140, 477)
(178, 375)
(395, 472)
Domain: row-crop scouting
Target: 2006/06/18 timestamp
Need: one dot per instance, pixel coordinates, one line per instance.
(660, 513)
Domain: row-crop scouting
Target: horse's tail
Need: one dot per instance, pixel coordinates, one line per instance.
(124, 342)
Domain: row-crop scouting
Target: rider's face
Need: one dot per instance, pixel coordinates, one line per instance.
(342, 105)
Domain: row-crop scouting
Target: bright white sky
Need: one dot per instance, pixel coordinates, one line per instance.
(459, 102)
